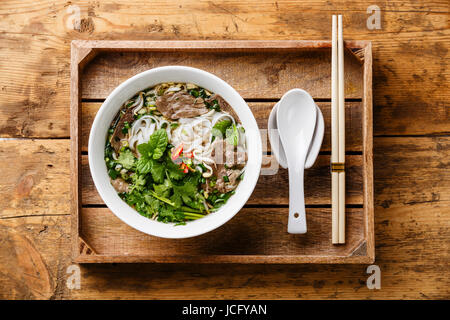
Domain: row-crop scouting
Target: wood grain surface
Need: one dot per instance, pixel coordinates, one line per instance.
(256, 75)
(254, 232)
(411, 147)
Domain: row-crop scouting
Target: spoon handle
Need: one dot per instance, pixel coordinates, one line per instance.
(297, 216)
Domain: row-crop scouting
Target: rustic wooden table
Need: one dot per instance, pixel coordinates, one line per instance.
(411, 147)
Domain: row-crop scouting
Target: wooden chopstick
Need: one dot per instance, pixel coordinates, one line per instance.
(337, 133)
(341, 124)
(334, 135)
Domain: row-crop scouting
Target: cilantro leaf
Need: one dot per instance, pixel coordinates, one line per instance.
(168, 214)
(173, 170)
(126, 159)
(177, 200)
(152, 202)
(136, 200)
(185, 193)
(138, 182)
(163, 189)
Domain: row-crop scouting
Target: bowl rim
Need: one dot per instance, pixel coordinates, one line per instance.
(127, 214)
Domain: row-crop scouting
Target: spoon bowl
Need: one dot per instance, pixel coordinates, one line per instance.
(277, 147)
(296, 121)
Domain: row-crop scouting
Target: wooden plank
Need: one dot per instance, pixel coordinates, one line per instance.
(34, 255)
(261, 111)
(273, 186)
(34, 181)
(76, 64)
(252, 232)
(35, 82)
(406, 166)
(367, 131)
(271, 74)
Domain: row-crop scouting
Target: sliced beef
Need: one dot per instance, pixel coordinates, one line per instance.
(224, 153)
(232, 174)
(120, 185)
(118, 134)
(181, 104)
(224, 106)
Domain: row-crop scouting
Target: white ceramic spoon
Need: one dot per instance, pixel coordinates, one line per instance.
(296, 121)
(277, 147)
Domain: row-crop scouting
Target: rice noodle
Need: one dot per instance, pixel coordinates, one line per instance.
(144, 127)
(139, 103)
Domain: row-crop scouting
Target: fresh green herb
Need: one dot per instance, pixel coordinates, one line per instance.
(108, 156)
(220, 128)
(156, 146)
(126, 159)
(217, 200)
(226, 179)
(157, 170)
(168, 214)
(143, 165)
(232, 135)
(163, 189)
(173, 170)
(185, 193)
(139, 182)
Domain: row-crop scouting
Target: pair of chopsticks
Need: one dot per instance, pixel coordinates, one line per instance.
(337, 133)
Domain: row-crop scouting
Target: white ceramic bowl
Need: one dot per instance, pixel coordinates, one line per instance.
(109, 109)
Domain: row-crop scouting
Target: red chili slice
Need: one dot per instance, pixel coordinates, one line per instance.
(184, 167)
(176, 153)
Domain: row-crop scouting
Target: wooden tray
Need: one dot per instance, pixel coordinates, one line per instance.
(261, 71)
